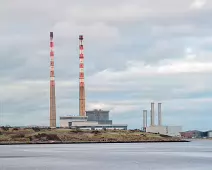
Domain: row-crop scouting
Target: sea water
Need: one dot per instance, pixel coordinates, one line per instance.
(195, 155)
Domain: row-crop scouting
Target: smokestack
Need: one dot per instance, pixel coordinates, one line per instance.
(152, 115)
(159, 115)
(81, 78)
(144, 119)
(52, 85)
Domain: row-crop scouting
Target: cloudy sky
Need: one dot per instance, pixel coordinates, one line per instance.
(136, 52)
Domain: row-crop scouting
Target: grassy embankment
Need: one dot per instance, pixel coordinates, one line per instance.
(36, 135)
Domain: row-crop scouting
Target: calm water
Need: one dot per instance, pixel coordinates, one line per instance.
(196, 155)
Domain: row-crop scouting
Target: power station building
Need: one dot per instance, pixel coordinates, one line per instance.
(159, 128)
(100, 116)
(94, 120)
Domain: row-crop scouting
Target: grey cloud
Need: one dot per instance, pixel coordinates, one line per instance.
(115, 32)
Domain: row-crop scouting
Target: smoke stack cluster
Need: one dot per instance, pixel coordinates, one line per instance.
(52, 82)
(152, 116)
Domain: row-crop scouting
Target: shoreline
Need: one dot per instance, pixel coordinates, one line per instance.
(23, 136)
(119, 142)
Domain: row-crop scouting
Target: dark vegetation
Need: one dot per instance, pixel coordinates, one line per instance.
(165, 136)
(5, 128)
(38, 135)
(36, 129)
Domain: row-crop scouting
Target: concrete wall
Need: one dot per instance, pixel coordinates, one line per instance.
(102, 122)
(174, 130)
(84, 123)
(97, 115)
(210, 134)
(156, 129)
(165, 130)
(64, 123)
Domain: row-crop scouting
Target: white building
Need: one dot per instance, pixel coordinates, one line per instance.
(165, 130)
(97, 119)
(64, 120)
(209, 134)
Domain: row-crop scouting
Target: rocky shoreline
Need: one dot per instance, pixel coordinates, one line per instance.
(20, 136)
(17, 143)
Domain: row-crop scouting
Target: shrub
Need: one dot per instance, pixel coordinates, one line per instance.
(95, 132)
(77, 130)
(15, 129)
(36, 129)
(47, 136)
(5, 128)
(18, 135)
(165, 136)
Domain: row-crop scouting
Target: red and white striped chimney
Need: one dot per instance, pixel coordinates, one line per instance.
(52, 85)
(81, 78)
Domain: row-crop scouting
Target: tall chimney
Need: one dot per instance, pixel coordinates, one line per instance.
(81, 78)
(52, 85)
(144, 119)
(152, 115)
(159, 115)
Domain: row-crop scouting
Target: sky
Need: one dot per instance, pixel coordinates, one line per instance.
(136, 52)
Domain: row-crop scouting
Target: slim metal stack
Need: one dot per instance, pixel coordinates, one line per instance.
(159, 115)
(52, 85)
(144, 119)
(152, 115)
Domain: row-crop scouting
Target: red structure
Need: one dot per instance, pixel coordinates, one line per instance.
(52, 85)
(81, 78)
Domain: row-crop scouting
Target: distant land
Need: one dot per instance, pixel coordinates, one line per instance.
(196, 134)
(63, 136)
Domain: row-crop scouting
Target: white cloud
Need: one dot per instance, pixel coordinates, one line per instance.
(198, 4)
(135, 70)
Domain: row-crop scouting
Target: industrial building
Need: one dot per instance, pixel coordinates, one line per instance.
(209, 134)
(165, 130)
(96, 119)
(66, 120)
(195, 134)
(101, 116)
